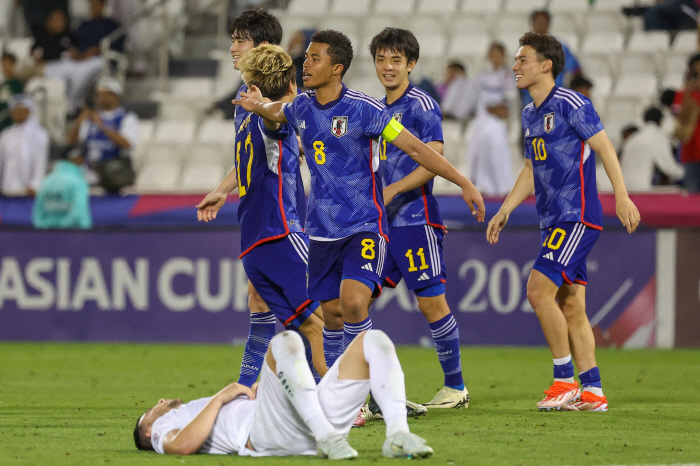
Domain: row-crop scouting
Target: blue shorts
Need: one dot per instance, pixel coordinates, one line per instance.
(359, 257)
(564, 250)
(277, 270)
(415, 254)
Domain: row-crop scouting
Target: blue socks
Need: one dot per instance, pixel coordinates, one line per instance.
(262, 329)
(446, 337)
(332, 345)
(350, 331)
(564, 369)
(590, 381)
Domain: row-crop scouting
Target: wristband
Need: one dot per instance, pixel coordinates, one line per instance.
(392, 130)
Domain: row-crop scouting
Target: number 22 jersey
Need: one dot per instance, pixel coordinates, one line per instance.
(340, 144)
(563, 164)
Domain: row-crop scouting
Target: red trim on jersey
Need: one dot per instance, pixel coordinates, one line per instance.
(374, 192)
(298, 312)
(281, 203)
(583, 195)
(425, 205)
(390, 282)
(442, 280)
(566, 279)
(580, 282)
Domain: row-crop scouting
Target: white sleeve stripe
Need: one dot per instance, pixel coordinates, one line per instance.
(374, 103)
(572, 94)
(568, 97)
(573, 104)
(363, 96)
(429, 100)
(420, 101)
(425, 100)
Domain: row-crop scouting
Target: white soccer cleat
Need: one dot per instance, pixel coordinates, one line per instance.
(406, 445)
(416, 410)
(559, 395)
(335, 446)
(449, 398)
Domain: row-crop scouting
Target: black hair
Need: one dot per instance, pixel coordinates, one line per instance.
(457, 64)
(693, 60)
(629, 129)
(667, 97)
(8, 56)
(544, 13)
(141, 444)
(547, 48)
(579, 81)
(400, 41)
(258, 26)
(339, 47)
(653, 114)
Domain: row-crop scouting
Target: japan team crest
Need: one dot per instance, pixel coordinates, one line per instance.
(339, 126)
(397, 117)
(548, 122)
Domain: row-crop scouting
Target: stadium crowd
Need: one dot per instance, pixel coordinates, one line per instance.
(665, 150)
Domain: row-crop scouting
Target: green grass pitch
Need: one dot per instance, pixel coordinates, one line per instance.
(77, 404)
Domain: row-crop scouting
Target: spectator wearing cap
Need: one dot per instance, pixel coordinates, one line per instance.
(9, 87)
(63, 200)
(646, 149)
(24, 150)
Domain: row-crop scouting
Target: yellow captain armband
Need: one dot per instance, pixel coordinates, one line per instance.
(392, 130)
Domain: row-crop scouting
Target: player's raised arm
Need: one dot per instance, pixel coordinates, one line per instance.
(417, 178)
(190, 439)
(435, 163)
(214, 201)
(252, 101)
(624, 207)
(522, 188)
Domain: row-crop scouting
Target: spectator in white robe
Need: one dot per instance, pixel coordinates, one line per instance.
(24, 150)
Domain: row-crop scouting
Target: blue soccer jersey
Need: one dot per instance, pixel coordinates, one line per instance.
(563, 164)
(267, 166)
(340, 143)
(240, 113)
(420, 115)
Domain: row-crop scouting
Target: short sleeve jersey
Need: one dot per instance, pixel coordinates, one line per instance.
(229, 434)
(267, 167)
(340, 141)
(420, 115)
(563, 164)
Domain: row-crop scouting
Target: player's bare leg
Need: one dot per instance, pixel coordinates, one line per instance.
(572, 301)
(372, 355)
(262, 329)
(312, 329)
(454, 394)
(287, 360)
(541, 293)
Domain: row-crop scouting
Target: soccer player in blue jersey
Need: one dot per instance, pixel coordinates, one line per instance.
(250, 29)
(415, 226)
(346, 220)
(562, 135)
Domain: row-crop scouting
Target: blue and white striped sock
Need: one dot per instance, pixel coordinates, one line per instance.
(350, 331)
(446, 337)
(262, 329)
(332, 345)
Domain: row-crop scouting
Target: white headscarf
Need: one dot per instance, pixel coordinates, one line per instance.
(34, 142)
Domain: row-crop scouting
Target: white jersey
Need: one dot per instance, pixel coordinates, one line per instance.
(229, 434)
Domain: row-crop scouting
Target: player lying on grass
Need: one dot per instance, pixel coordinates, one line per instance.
(287, 413)
(415, 225)
(274, 247)
(562, 135)
(346, 220)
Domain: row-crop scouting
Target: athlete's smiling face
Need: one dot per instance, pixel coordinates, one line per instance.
(318, 67)
(240, 44)
(527, 67)
(392, 68)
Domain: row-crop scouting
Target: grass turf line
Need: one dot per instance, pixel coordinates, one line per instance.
(78, 403)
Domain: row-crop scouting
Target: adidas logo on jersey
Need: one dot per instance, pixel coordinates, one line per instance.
(303, 124)
(549, 255)
(423, 277)
(368, 266)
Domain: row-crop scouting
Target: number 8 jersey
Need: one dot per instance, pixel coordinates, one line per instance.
(267, 167)
(340, 145)
(562, 162)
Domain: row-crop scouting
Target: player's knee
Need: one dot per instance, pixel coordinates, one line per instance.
(433, 307)
(377, 341)
(287, 343)
(535, 296)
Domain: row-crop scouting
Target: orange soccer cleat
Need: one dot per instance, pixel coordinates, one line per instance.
(558, 395)
(360, 420)
(588, 402)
